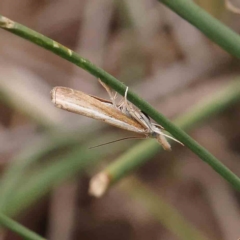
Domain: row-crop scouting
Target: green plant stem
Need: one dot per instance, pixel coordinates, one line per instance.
(161, 210)
(18, 228)
(73, 57)
(207, 24)
(142, 152)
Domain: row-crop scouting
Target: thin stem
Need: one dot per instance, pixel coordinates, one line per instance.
(18, 228)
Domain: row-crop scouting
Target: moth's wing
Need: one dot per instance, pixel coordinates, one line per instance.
(83, 104)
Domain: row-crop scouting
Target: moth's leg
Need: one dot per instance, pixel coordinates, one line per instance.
(115, 96)
(125, 103)
(110, 93)
(121, 106)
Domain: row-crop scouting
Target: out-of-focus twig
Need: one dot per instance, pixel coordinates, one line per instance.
(62, 210)
(14, 139)
(93, 33)
(230, 6)
(147, 26)
(162, 211)
(19, 91)
(178, 76)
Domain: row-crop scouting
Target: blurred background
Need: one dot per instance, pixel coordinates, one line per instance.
(164, 60)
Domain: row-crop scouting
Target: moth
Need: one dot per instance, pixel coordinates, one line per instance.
(123, 115)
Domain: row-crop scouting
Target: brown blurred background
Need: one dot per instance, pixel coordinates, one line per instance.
(160, 57)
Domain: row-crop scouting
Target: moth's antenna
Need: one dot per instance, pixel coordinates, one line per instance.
(126, 138)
